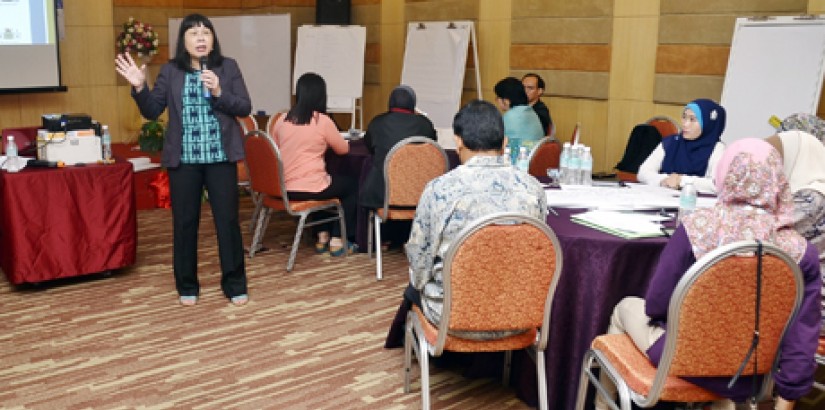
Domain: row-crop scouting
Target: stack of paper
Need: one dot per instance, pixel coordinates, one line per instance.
(142, 164)
(623, 224)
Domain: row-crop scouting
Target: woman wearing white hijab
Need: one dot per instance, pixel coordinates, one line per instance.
(803, 157)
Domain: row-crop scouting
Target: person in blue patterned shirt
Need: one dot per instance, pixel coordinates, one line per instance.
(484, 184)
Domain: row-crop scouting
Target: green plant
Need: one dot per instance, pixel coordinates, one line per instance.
(151, 135)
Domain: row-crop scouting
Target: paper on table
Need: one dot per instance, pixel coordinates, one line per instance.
(616, 197)
(142, 164)
(623, 224)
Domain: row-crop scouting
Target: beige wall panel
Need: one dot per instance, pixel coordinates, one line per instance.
(562, 8)
(34, 105)
(592, 115)
(631, 71)
(573, 57)
(542, 30)
(680, 89)
(685, 29)
(816, 7)
(155, 16)
(366, 15)
(670, 110)
(692, 59)
(442, 10)
(87, 13)
(129, 118)
(622, 117)
(741, 7)
(148, 3)
(87, 56)
(577, 84)
(10, 111)
(372, 74)
(493, 52)
(636, 8)
(375, 102)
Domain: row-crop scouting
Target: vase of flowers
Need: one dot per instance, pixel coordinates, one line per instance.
(138, 38)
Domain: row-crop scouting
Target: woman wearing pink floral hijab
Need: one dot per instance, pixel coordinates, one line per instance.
(754, 202)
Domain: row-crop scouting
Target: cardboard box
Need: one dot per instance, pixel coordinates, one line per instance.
(73, 147)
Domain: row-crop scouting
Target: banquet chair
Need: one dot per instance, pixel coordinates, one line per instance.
(266, 175)
(270, 123)
(500, 274)
(820, 361)
(248, 124)
(719, 291)
(409, 166)
(643, 140)
(665, 125)
(545, 155)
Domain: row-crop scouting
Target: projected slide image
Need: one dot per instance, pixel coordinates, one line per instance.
(24, 22)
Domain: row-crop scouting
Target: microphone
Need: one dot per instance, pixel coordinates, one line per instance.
(38, 163)
(206, 92)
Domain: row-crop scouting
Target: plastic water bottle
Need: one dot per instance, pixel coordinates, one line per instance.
(574, 165)
(12, 163)
(587, 167)
(564, 164)
(107, 145)
(506, 156)
(523, 161)
(687, 201)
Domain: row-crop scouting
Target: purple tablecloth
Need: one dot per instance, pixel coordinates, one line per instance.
(598, 271)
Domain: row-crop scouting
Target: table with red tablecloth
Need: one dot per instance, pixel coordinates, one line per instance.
(64, 222)
(598, 270)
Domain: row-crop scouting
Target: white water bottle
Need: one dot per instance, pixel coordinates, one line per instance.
(506, 156)
(12, 163)
(523, 161)
(564, 164)
(687, 201)
(107, 144)
(586, 167)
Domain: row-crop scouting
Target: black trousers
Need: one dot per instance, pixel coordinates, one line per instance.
(186, 184)
(346, 190)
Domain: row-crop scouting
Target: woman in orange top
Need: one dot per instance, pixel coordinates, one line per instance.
(303, 136)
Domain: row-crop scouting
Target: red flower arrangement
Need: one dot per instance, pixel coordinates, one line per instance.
(137, 37)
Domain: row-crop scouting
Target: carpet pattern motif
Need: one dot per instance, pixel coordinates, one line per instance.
(310, 339)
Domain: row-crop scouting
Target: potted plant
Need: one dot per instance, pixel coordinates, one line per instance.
(150, 137)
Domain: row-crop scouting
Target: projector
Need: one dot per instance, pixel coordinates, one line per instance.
(66, 122)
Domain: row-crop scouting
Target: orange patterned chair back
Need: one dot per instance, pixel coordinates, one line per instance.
(716, 314)
(545, 155)
(270, 123)
(410, 165)
(499, 274)
(665, 125)
(247, 124)
(264, 162)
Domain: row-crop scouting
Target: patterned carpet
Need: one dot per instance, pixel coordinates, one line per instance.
(310, 339)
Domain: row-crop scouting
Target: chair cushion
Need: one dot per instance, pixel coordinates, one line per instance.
(277, 203)
(638, 372)
(457, 344)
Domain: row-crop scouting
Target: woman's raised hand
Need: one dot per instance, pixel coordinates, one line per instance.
(126, 67)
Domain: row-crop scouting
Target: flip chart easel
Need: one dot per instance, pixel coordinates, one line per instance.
(337, 54)
(776, 67)
(435, 60)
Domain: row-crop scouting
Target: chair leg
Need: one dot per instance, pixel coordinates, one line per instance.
(408, 341)
(379, 274)
(294, 251)
(258, 202)
(541, 375)
(343, 224)
(260, 228)
(369, 234)
(424, 361)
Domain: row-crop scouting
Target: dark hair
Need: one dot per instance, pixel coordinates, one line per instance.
(479, 126)
(539, 80)
(511, 89)
(310, 96)
(182, 58)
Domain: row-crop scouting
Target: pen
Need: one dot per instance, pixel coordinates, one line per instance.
(552, 211)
